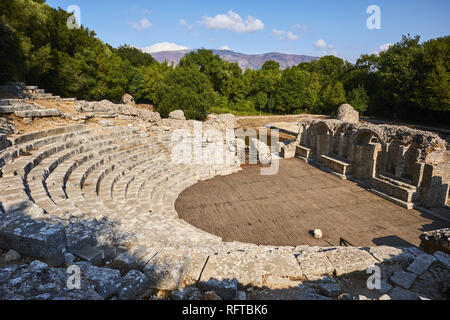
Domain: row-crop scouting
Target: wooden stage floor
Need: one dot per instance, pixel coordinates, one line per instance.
(281, 210)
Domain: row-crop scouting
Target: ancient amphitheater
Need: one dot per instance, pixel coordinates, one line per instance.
(97, 187)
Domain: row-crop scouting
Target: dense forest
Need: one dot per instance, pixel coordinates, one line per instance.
(409, 82)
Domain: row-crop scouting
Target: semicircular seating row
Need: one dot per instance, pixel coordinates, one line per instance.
(122, 178)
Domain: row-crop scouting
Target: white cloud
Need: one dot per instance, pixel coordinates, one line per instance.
(299, 27)
(232, 21)
(320, 44)
(385, 47)
(291, 36)
(283, 35)
(325, 48)
(164, 46)
(142, 24)
(277, 32)
(224, 48)
(183, 23)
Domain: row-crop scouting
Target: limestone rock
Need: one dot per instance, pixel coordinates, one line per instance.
(226, 289)
(421, 264)
(68, 259)
(314, 263)
(38, 281)
(166, 271)
(107, 282)
(330, 289)
(27, 120)
(187, 293)
(125, 262)
(177, 115)
(149, 116)
(32, 238)
(389, 255)
(346, 113)
(404, 279)
(128, 99)
(402, 294)
(241, 296)
(348, 260)
(11, 255)
(211, 296)
(318, 234)
(134, 286)
(436, 240)
(443, 258)
(224, 121)
(106, 123)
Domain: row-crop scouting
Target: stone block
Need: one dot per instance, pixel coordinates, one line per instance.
(107, 282)
(167, 270)
(226, 289)
(32, 238)
(404, 279)
(421, 264)
(314, 263)
(348, 260)
(134, 285)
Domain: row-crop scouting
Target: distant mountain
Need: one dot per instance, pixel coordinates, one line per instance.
(253, 61)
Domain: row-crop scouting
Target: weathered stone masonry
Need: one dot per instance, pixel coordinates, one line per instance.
(407, 166)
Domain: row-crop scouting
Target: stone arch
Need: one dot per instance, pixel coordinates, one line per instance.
(392, 157)
(322, 128)
(347, 143)
(365, 153)
(307, 135)
(366, 137)
(323, 134)
(407, 169)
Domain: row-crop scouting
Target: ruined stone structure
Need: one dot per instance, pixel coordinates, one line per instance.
(102, 199)
(346, 113)
(21, 91)
(407, 166)
(22, 109)
(107, 109)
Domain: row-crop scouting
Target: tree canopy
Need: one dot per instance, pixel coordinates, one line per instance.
(409, 81)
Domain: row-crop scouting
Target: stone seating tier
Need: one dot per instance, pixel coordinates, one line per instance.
(108, 194)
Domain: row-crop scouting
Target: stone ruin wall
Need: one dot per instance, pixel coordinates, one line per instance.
(409, 165)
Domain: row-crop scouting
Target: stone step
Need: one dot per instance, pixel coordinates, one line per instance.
(17, 108)
(96, 177)
(12, 102)
(132, 170)
(38, 113)
(52, 146)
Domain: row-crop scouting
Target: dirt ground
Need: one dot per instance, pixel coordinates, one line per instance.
(281, 210)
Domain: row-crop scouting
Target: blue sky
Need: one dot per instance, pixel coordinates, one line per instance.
(251, 26)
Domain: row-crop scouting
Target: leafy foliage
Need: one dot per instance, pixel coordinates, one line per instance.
(409, 81)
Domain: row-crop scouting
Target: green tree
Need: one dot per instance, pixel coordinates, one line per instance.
(297, 90)
(135, 56)
(359, 99)
(331, 97)
(185, 88)
(143, 84)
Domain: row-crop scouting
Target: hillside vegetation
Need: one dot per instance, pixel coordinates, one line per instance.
(410, 81)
